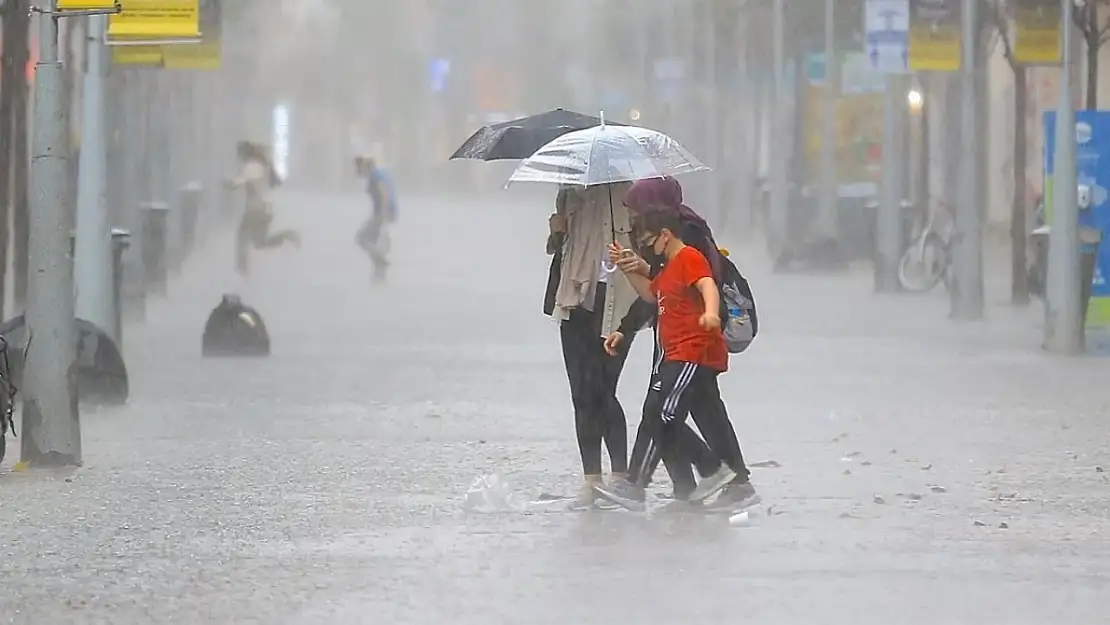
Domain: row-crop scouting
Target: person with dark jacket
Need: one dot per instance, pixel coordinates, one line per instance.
(645, 196)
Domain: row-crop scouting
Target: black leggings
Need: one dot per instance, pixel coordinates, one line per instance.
(593, 375)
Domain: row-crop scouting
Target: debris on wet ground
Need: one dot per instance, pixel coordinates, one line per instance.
(766, 464)
(489, 494)
(743, 519)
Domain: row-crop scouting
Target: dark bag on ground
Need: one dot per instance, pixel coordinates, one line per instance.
(235, 329)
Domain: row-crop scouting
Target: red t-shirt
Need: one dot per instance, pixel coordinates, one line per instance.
(680, 309)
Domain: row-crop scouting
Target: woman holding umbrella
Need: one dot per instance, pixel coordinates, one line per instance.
(594, 167)
(588, 303)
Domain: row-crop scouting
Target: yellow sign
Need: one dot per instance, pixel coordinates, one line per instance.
(1035, 31)
(137, 55)
(155, 19)
(206, 54)
(86, 5)
(935, 35)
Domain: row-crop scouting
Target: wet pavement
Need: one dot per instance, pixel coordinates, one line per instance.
(927, 472)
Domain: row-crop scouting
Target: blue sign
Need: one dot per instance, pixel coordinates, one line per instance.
(887, 35)
(1092, 160)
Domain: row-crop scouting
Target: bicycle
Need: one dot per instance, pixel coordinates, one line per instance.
(928, 260)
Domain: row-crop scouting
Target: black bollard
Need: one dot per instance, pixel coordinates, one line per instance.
(121, 240)
(155, 266)
(189, 209)
(234, 329)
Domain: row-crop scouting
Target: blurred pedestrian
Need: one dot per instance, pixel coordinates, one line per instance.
(257, 177)
(374, 236)
(588, 303)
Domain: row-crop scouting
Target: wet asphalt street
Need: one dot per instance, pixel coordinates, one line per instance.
(929, 473)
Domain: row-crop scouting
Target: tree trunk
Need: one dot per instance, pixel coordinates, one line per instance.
(9, 70)
(22, 156)
(1093, 44)
(1019, 292)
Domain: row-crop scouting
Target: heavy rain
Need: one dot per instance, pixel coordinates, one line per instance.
(491, 311)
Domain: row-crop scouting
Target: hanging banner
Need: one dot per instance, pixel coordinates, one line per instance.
(86, 5)
(208, 52)
(150, 56)
(142, 20)
(935, 35)
(1035, 31)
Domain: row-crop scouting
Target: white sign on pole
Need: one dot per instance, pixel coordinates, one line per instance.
(887, 27)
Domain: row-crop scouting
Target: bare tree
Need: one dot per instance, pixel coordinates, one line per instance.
(1000, 14)
(1092, 19)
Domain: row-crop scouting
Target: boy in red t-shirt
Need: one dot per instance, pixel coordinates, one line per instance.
(694, 353)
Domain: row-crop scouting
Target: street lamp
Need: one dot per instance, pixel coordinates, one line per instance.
(916, 101)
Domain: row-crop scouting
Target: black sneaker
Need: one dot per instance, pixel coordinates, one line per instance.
(734, 498)
(623, 493)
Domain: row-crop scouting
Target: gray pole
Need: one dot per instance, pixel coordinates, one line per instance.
(93, 250)
(51, 429)
(1063, 314)
(967, 302)
(827, 217)
(888, 221)
(777, 145)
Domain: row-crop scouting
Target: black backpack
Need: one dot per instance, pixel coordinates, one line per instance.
(741, 323)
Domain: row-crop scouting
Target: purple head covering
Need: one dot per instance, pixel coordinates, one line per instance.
(654, 193)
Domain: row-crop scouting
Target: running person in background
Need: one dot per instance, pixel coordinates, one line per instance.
(373, 236)
(256, 178)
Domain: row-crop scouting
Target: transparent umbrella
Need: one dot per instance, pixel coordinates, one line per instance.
(606, 154)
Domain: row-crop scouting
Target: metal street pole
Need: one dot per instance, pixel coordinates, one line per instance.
(827, 215)
(1063, 309)
(888, 221)
(93, 250)
(967, 301)
(51, 428)
(777, 144)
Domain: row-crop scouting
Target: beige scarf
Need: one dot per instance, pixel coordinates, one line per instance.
(593, 214)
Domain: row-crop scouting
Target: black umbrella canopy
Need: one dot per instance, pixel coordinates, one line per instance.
(520, 138)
